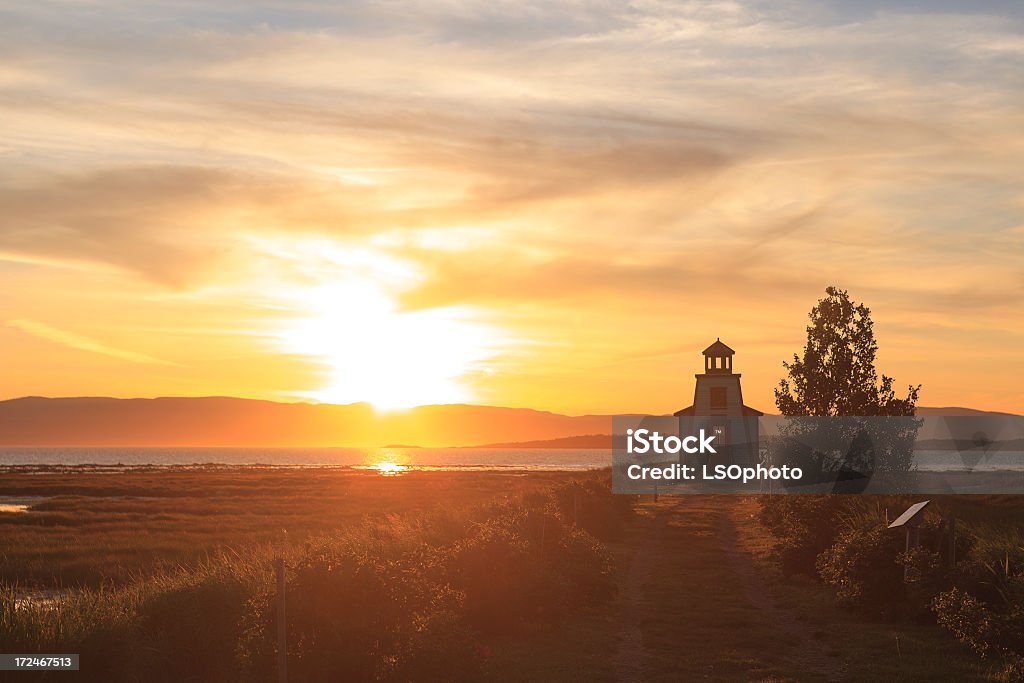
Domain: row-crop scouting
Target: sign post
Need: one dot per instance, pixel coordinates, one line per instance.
(911, 521)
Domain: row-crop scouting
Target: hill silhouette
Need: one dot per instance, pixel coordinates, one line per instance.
(225, 421)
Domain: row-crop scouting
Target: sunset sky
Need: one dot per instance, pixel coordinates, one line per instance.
(546, 205)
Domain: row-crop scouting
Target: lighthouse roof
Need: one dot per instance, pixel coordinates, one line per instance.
(718, 349)
(691, 411)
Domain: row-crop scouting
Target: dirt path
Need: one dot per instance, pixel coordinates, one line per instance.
(809, 653)
(631, 659)
(694, 606)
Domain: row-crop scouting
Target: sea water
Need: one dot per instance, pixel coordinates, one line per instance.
(418, 458)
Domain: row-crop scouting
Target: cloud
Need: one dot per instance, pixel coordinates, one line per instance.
(82, 343)
(553, 165)
(176, 226)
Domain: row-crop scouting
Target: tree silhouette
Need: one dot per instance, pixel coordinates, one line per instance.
(837, 374)
(837, 378)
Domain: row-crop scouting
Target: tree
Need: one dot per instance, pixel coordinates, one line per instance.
(836, 377)
(837, 374)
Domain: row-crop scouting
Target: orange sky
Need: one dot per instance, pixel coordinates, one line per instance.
(542, 205)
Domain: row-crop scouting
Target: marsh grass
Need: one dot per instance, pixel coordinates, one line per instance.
(98, 528)
(392, 596)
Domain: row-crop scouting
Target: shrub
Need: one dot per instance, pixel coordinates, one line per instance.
(803, 525)
(929, 576)
(524, 565)
(364, 610)
(503, 582)
(587, 568)
(985, 610)
(968, 619)
(976, 624)
(591, 505)
(861, 566)
(994, 571)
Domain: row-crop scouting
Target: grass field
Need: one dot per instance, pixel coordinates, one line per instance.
(696, 595)
(93, 527)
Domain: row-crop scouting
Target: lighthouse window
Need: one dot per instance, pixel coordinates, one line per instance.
(718, 397)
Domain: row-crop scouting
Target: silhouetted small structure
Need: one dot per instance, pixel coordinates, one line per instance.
(718, 409)
(911, 521)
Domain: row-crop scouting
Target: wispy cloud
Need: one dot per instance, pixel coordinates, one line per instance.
(81, 342)
(566, 169)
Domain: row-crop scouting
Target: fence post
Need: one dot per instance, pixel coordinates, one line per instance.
(282, 629)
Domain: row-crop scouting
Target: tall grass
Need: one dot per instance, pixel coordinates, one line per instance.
(402, 598)
(175, 625)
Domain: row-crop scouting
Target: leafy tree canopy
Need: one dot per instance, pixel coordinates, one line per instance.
(837, 375)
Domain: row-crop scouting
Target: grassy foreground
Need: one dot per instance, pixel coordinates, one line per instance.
(167, 575)
(91, 527)
(398, 578)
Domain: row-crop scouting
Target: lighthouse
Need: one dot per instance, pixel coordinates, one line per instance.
(718, 390)
(718, 407)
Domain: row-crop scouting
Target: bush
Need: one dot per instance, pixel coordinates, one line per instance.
(861, 566)
(929, 576)
(374, 615)
(804, 527)
(503, 580)
(525, 564)
(968, 619)
(587, 568)
(985, 630)
(591, 506)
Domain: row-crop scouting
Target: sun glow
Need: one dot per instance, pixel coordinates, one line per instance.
(389, 468)
(375, 352)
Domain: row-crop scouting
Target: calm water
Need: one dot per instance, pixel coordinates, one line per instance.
(406, 458)
(417, 458)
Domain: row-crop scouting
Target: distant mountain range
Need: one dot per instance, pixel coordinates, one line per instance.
(223, 421)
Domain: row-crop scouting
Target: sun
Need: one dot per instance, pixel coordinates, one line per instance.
(373, 351)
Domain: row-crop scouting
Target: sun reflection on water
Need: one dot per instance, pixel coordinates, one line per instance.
(389, 468)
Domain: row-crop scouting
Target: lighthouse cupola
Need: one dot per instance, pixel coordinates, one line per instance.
(718, 359)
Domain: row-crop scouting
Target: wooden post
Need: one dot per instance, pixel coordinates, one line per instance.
(913, 540)
(282, 628)
(655, 492)
(906, 549)
(910, 520)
